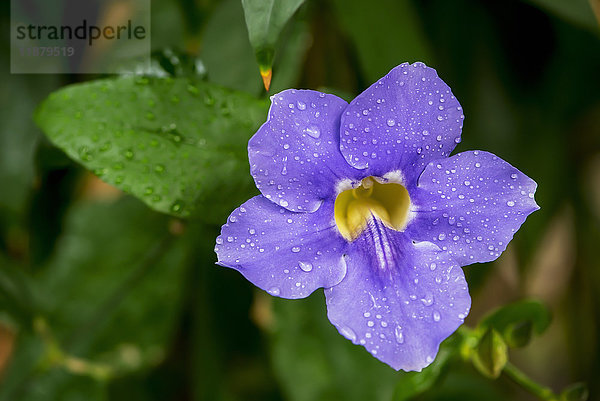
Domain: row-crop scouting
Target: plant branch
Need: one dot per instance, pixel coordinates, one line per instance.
(519, 377)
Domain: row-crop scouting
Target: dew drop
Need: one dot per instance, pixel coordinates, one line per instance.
(436, 316)
(274, 291)
(305, 266)
(313, 131)
(398, 334)
(296, 249)
(427, 300)
(348, 333)
(193, 90)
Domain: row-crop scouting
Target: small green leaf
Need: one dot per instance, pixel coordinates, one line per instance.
(491, 354)
(575, 392)
(414, 383)
(265, 19)
(178, 144)
(508, 317)
(518, 334)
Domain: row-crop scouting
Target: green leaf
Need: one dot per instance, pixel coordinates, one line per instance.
(491, 354)
(178, 144)
(575, 392)
(509, 319)
(414, 383)
(518, 334)
(265, 19)
(578, 12)
(380, 50)
(111, 295)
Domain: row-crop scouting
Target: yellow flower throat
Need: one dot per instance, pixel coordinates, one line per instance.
(354, 207)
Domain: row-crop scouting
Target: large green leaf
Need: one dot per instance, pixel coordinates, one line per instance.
(265, 19)
(111, 294)
(179, 144)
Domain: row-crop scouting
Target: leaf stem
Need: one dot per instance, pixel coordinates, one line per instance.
(519, 377)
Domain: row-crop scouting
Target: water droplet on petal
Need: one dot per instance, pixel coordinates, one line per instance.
(305, 266)
(348, 333)
(274, 291)
(398, 334)
(313, 131)
(427, 300)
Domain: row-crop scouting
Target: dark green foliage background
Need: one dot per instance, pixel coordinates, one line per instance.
(126, 280)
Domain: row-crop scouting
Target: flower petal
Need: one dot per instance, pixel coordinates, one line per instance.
(294, 157)
(399, 299)
(470, 205)
(403, 121)
(285, 253)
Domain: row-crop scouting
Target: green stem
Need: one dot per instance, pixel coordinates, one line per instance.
(519, 377)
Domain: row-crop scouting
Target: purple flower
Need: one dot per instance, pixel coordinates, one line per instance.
(363, 200)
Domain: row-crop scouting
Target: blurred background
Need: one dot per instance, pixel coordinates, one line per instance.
(92, 280)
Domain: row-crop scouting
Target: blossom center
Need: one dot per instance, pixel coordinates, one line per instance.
(354, 208)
